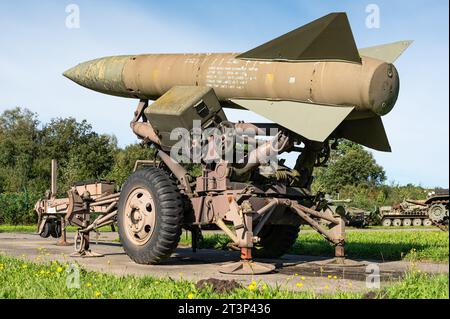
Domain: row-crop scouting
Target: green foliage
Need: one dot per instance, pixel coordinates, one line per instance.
(26, 150)
(419, 285)
(81, 153)
(18, 208)
(18, 148)
(353, 174)
(125, 161)
(350, 165)
(370, 198)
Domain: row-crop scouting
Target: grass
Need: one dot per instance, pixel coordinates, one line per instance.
(33, 229)
(17, 229)
(416, 285)
(379, 245)
(25, 280)
(382, 245)
(411, 245)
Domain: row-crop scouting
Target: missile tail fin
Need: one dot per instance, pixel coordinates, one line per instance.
(368, 132)
(312, 121)
(329, 38)
(387, 52)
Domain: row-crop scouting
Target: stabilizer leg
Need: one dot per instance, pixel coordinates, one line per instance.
(246, 266)
(82, 247)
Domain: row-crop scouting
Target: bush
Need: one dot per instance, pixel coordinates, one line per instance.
(18, 208)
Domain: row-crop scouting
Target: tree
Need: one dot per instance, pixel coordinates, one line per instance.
(18, 148)
(82, 154)
(349, 165)
(125, 161)
(26, 151)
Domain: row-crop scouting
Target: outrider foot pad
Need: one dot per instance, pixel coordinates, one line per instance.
(339, 263)
(247, 268)
(86, 254)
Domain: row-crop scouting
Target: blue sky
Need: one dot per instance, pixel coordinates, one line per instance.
(36, 47)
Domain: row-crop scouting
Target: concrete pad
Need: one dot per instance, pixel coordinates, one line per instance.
(184, 264)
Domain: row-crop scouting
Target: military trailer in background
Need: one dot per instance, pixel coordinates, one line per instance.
(432, 211)
(354, 217)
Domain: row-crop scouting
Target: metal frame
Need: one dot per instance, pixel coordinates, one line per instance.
(221, 196)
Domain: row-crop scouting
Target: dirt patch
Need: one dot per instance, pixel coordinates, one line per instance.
(370, 295)
(218, 286)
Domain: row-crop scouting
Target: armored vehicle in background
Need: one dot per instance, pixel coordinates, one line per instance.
(354, 217)
(432, 211)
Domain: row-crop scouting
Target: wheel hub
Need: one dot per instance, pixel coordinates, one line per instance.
(437, 213)
(139, 216)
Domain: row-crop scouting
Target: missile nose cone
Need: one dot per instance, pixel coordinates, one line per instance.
(70, 74)
(101, 75)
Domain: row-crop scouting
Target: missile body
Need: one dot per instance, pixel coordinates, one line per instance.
(370, 87)
(313, 81)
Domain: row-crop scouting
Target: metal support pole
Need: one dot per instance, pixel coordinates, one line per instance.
(54, 186)
(54, 193)
(63, 240)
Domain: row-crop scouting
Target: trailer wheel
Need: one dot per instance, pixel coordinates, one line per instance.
(56, 230)
(150, 216)
(276, 240)
(46, 231)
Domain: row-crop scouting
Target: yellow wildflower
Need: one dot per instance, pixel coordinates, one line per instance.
(59, 269)
(98, 294)
(296, 275)
(303, 278)
(191, 296)
(88, 285)
(299, 285)
(327, 287)
(329, 276)
(335, 277)
(251, 288)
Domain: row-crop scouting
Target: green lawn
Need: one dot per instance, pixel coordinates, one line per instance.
(17, 229)
(379, 245)
(33, 229)
(22, 279)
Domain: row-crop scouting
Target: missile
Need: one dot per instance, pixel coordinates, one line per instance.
(313, 80)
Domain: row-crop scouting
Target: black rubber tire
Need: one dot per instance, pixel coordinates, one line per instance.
(276, 241)
(46, 231)
(169, 216)
(56, 230)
